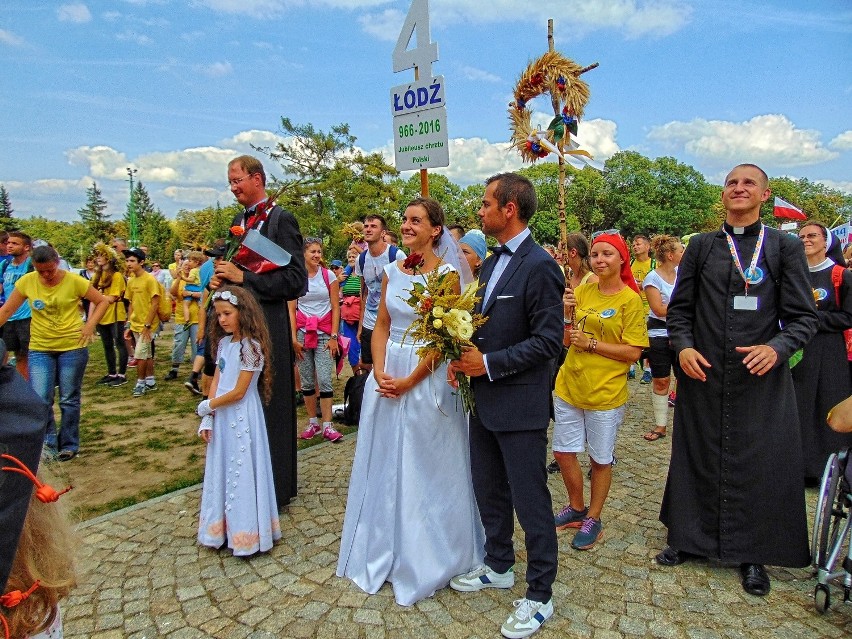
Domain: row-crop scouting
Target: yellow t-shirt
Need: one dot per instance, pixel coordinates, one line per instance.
(56, 321)
(193, 307)
(140, 291)
(115, 312)
(640, 272)
(194, 276)
(591, 381)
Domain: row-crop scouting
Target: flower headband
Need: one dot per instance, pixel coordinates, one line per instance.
(226, 296)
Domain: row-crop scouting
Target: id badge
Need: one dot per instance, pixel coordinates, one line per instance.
(745, 303)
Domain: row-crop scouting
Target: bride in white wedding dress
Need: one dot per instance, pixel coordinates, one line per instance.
(411, 516)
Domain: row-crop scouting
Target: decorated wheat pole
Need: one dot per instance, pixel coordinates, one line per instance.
(559, 77)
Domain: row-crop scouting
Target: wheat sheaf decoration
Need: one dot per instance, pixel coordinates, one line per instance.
(559, 77)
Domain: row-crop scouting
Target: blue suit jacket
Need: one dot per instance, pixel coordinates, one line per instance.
(522, 338)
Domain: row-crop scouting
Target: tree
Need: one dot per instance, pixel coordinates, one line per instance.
(817, 201)
(310, 156)
(70, 239)
(7, 221)
(654, 196)
(94, 217)
(198, 228)
(157, 234)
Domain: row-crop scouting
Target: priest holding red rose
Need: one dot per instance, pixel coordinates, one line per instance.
(273, 287)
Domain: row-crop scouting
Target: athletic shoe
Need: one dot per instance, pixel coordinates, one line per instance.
(105, 380)
(192, 385)
(570, 518)
(481, 578)
(118, 380)
(631, 374)
(172, 374)
(151, 386)
(311, 431)
(646, 378)
(131, 362)
(526, 618)
(332, 434)
(672, 398)
(66, 455)
(589, 533)
(553, 467)
(139, 389)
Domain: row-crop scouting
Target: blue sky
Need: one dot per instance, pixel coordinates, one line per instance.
(176, 88)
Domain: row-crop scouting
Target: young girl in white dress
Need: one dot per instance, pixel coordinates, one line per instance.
(411, 517)
(238, 497)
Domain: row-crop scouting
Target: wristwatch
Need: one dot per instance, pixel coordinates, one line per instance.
(147, 326)
(333, 336)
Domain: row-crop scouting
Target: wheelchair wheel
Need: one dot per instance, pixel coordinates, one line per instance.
(822, 598)
(826, 523)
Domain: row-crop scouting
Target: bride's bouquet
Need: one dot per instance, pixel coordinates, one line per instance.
(445, 319)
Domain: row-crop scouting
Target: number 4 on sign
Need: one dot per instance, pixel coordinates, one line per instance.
(426, 52)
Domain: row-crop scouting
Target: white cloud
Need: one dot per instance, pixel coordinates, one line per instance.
(102, 162)
(771, 139)
(636, 18)
(842, 142)
(199, 196)
(216, 69)
(845, 187)
(383, 26)
(46, 187)
(478, 75)
(9, 38)
(77, 13)
(133, 36)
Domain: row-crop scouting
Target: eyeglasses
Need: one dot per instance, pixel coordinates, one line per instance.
(606, 232)
(810, 236)
(237, 181)
(226, 296)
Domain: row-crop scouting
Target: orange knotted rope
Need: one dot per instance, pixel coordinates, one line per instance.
(11, 599)
(44, 492)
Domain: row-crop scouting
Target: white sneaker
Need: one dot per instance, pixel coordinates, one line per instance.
(483, 577)
(526, 618)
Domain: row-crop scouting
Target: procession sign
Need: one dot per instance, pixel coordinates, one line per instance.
(418, 108)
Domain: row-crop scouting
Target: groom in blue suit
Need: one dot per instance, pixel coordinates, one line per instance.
(511, 368)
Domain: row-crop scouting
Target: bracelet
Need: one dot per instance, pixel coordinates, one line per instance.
(593, 344)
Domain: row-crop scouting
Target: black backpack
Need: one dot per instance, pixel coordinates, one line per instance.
(353, 393)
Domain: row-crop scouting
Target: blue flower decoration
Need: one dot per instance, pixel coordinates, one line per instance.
(222, 364)
(39, 305)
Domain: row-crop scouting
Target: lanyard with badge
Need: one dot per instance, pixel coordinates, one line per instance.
(752, 275)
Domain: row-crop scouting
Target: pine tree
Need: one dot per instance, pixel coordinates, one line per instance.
(94, 215)
(7, 221)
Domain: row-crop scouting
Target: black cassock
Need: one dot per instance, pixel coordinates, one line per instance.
(273, 290)
(822, 379)
(735, 489)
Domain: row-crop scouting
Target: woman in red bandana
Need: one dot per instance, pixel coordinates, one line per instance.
(608, 333)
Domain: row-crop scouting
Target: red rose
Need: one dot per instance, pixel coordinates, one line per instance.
(413, 261)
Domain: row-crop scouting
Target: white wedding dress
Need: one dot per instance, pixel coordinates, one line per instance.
(411, 517)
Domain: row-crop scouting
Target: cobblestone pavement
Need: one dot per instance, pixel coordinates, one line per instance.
(144, 575)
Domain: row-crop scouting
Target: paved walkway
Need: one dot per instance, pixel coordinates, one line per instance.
(144, 575)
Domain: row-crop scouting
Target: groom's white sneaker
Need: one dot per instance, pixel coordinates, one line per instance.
(526, 618)
(483, 577)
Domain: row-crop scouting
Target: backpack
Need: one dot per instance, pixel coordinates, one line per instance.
(353, 393)
(392, 251)
(836, 280)
(164, 311)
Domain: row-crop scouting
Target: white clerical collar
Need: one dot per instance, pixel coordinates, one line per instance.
(826, 263)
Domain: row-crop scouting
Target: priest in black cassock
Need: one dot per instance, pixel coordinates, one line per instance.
(741, 307)
(272, 289)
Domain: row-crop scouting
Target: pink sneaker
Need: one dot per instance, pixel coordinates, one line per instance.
(311, 431)
(331, 434)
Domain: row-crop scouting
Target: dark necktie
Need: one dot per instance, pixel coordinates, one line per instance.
(501, 250)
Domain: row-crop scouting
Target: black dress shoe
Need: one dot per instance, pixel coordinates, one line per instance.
(755, 579)
(673, 557)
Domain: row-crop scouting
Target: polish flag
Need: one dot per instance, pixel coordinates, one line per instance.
(787, 211)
